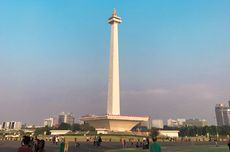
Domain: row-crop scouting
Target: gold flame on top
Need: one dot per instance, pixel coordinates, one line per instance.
(114, 12)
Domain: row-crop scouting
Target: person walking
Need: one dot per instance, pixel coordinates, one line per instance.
(62, 146)
(155, 147)
(147, 140)
(99, 140)
(25, 147)
(229, 144)
(36, 144)
(56, 140)
(41, 146)
(77, 144)
(124, 143)
(94, 140)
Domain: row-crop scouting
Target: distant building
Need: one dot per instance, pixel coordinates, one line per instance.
(5, 125)
(169, 133)
(11, 125)
(147, 124)
(17, 125)
(181, 121)
(172, 123)
(49, 122)
(222, 114)
(29, 126)
(196, 122)
(66, 118)
(158, 124)
(175, 122)
(59, 132)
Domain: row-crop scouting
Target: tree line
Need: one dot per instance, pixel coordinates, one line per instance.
(192, 131)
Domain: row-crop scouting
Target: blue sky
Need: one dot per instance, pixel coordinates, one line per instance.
(174, 57)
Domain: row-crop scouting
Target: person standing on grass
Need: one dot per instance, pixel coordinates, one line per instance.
(36, 143)
(229, 144)
(62, 145)
(155, 147)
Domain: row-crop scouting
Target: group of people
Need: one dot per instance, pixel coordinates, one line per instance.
(30, 145)
(97, 141)
(145, 144)
(55, 140)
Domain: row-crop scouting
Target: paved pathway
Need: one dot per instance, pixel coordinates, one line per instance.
(12, 146)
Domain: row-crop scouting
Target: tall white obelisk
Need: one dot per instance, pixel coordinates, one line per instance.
(113, 121)
(113, 101)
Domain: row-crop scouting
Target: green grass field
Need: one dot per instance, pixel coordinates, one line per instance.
(128, 150)
(200, 148)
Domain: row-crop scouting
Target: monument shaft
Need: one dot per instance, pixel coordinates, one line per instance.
(113, 121)
(113, 101)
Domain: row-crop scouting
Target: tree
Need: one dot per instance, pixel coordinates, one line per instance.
(64, 126)
(41, 131)
(154, 132)
(204, 131)
(76, 127)
(86, 127)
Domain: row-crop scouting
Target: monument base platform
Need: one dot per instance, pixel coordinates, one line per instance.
(113, 122)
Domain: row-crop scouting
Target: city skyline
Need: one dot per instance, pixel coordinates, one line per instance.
(173, 58)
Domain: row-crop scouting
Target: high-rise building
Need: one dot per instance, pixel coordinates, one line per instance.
(181, 121)
(172, 123)
(196, 122)
(49, 122)
(222, 114)
(158, 124)
(175, 122)
(66, 118)
(18, 125)
(5, 125)
(11, 125)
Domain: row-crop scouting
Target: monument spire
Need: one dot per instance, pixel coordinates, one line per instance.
(114, 12)
(113, 100)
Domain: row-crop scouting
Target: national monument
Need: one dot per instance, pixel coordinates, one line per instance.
(113, 121)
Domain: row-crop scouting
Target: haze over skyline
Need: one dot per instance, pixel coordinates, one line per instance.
(54, 56)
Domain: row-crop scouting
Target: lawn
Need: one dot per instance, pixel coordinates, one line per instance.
(128, 150)
(200, 148)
